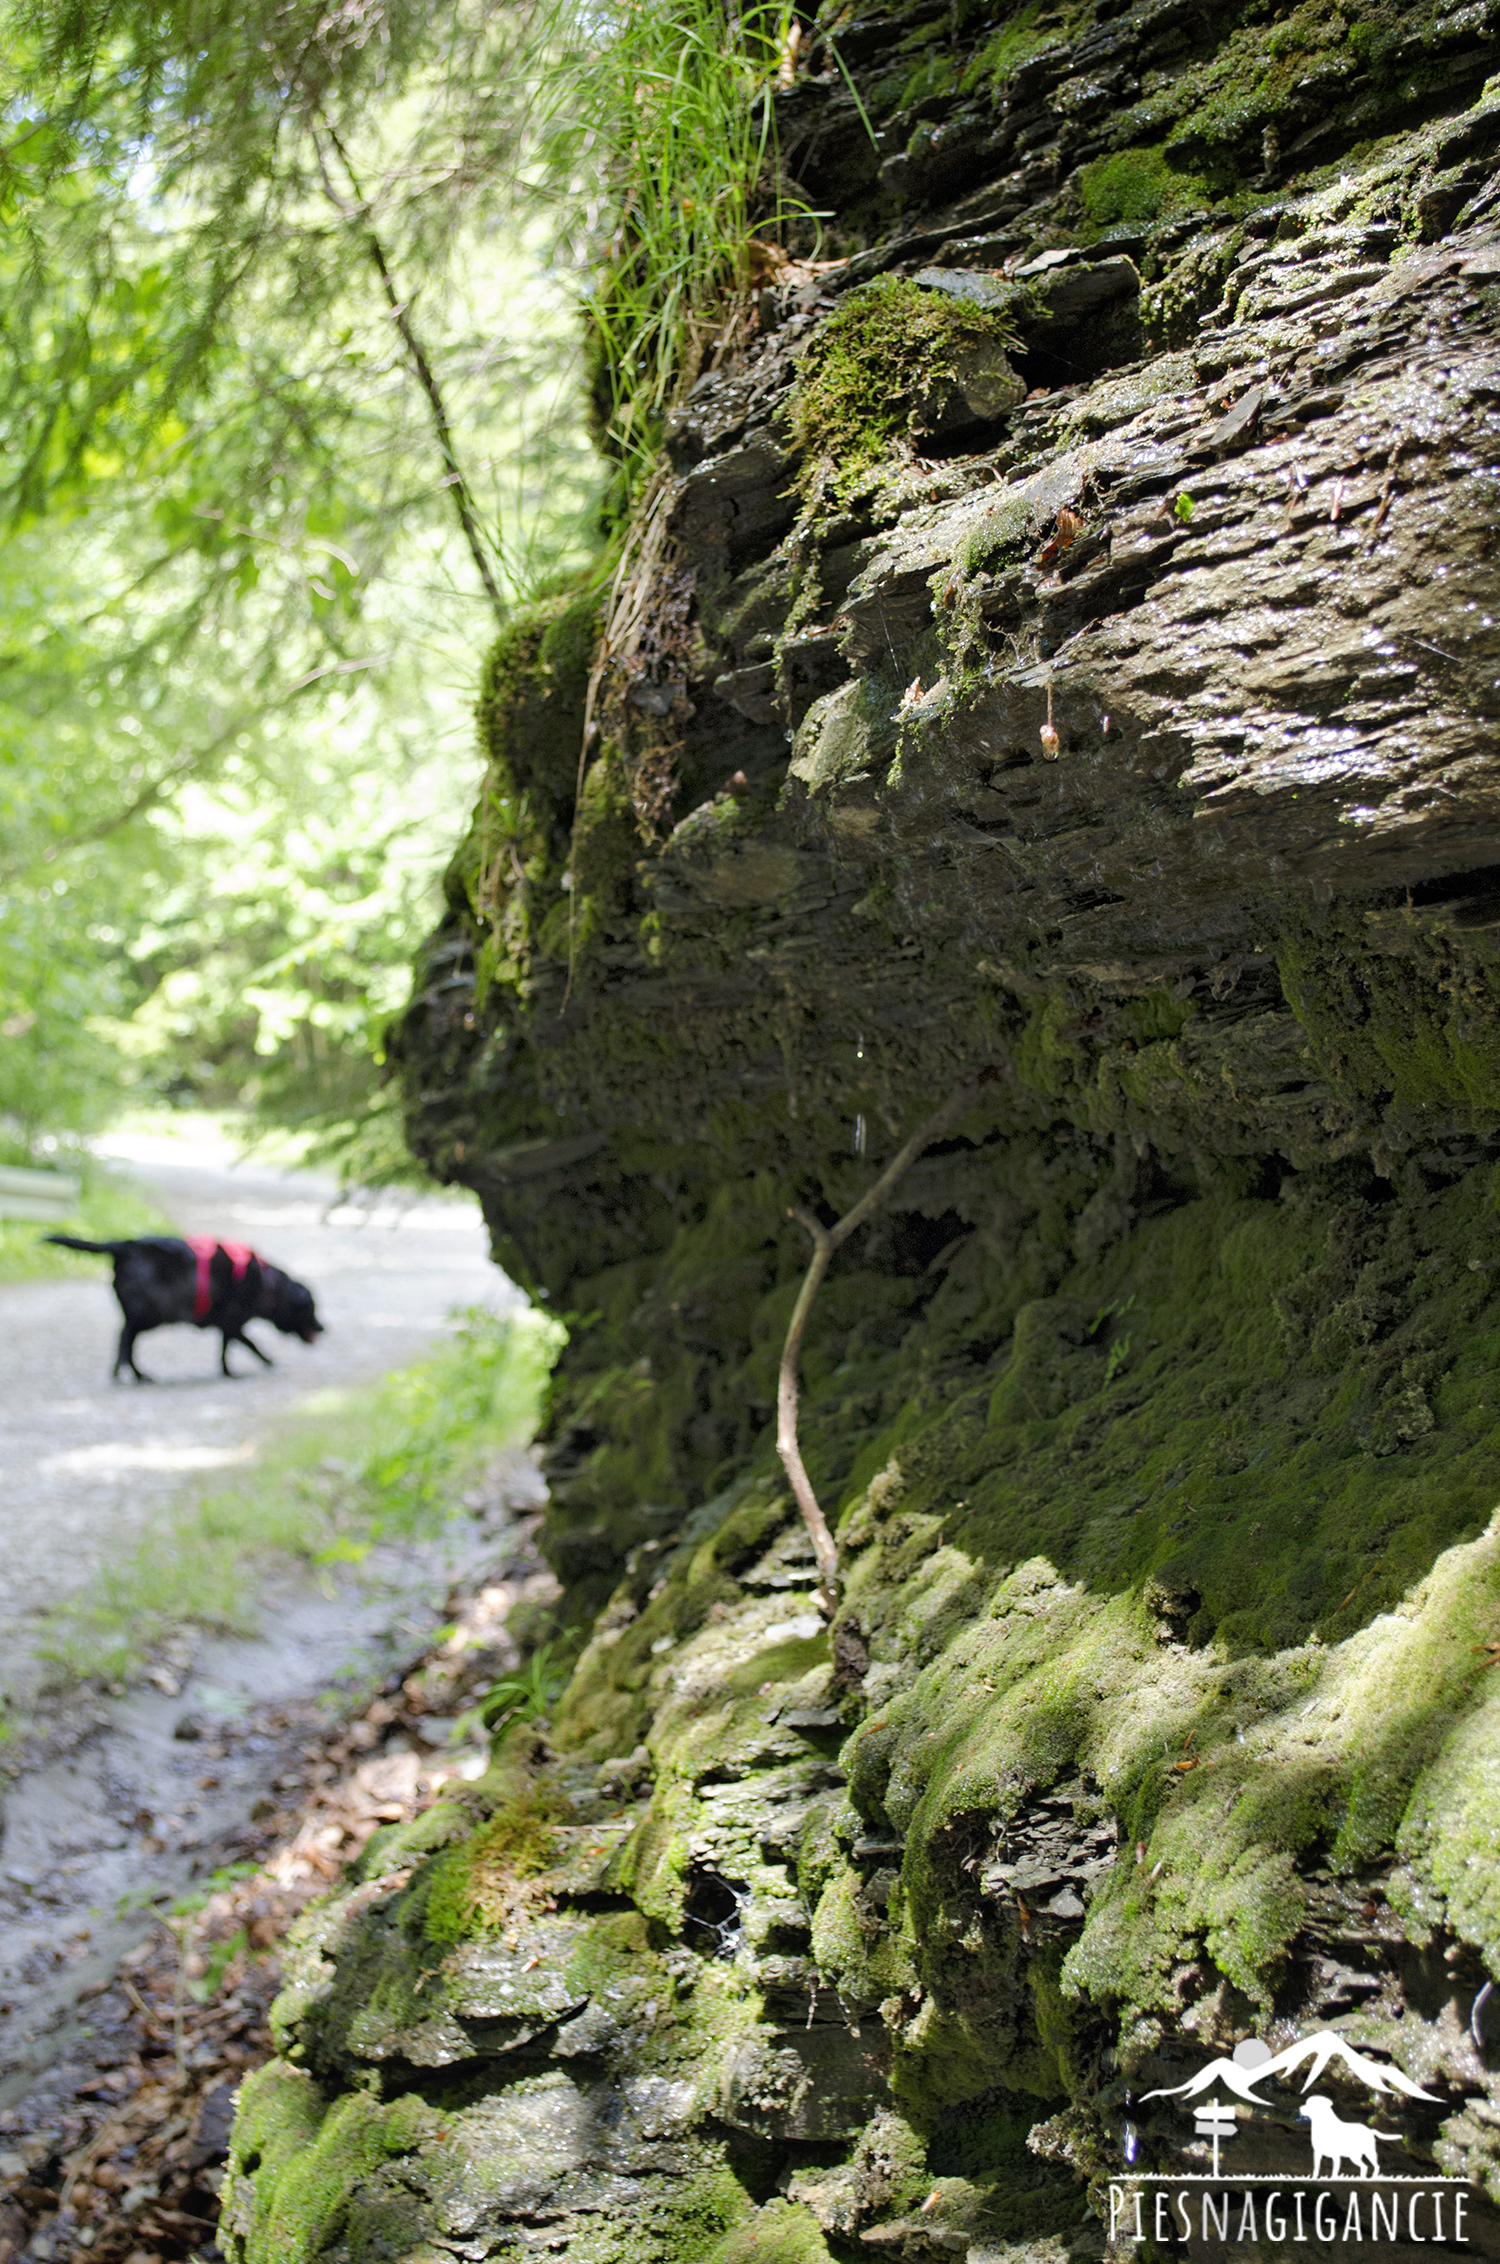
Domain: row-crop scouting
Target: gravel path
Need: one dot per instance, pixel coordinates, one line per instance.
(85, 1464)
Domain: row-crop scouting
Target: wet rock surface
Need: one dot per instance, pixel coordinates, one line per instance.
(1054, 658)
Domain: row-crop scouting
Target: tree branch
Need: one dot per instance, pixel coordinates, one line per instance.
(155, 790)
(426, 377)
(826, 1239)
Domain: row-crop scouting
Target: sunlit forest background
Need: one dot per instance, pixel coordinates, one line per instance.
(293, 416)
(331, 334)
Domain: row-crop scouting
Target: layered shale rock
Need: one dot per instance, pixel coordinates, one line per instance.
(1058, 650)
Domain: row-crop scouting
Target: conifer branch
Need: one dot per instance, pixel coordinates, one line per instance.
(424, 373)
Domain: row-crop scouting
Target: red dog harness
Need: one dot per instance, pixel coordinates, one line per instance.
(203, 1246)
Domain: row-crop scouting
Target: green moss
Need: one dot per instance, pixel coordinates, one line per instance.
(296, 2160)
(474, 1887)
(779, 2232)
(605, 840)
(936, 74)
(1320, 61)
(1417, 1018)
(508, 868)
(1022, 35)
(530, 707)
(870, 372)
(1135, 186)
(861, 1960)
(395, 1844)
(1303, 1751)
(1451, 1826)
(1023, 2197)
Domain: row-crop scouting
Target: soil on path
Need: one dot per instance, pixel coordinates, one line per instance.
(85, 1464)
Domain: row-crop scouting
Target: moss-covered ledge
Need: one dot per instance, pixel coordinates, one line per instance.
(846, 1916)
(1065, 649)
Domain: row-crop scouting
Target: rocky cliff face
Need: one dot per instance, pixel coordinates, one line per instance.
(1059, 643)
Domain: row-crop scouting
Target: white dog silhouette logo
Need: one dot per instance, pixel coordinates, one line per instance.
(1337, 2142)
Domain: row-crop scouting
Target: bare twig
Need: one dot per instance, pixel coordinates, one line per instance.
(1388, 491)
(826, 1239)
(421, 368)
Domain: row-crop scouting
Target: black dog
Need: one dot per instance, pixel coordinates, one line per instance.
(160, 1278)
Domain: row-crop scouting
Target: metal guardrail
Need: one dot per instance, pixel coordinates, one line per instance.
(42, 1195)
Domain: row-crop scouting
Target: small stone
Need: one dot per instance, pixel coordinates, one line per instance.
(976, 289)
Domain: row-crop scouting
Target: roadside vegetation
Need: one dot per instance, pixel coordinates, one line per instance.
(110, 1206)
(385, 1463)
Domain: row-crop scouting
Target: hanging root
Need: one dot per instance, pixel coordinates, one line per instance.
(826, 1240)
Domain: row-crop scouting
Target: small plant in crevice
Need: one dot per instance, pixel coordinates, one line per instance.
(528, 1694)
(1119, 1353)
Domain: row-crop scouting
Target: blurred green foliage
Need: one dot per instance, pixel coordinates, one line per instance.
(240, 622)
(294, 302)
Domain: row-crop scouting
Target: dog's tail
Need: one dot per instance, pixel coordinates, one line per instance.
(100, 1249)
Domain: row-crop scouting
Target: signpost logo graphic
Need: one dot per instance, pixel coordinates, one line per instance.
(1214, 2121)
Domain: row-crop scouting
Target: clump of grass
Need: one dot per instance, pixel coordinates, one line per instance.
(529, 1694)
(389, 1461)
(673, 105)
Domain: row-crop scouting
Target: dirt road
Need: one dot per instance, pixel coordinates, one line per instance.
(85, 1464)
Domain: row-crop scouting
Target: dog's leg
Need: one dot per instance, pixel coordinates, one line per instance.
(251, 1346)
(125, 1356)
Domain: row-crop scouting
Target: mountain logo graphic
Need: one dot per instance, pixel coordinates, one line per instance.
(1254, 2063)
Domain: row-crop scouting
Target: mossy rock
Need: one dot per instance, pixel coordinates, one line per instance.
(878, 371)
